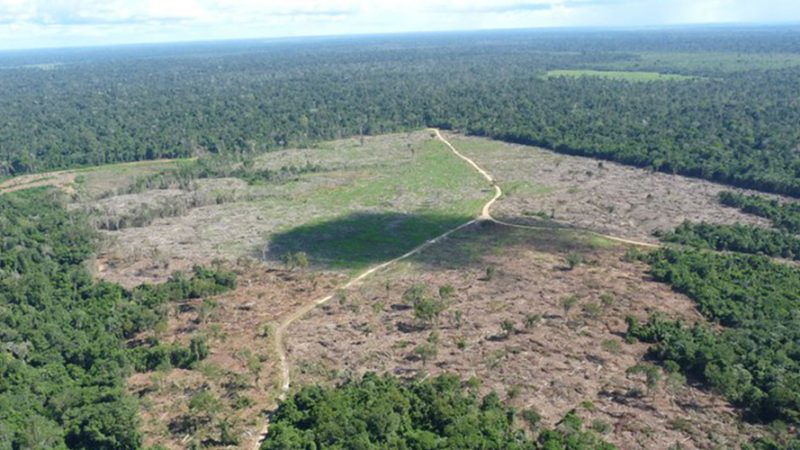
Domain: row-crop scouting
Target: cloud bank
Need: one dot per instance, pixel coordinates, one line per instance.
(43, 23)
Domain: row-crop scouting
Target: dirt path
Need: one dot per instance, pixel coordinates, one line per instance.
(485, 215)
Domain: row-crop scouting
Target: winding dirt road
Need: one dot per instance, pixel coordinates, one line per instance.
(486, 215)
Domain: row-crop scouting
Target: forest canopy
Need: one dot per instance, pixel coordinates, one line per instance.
(384, 413)
(732, 120)
(63, 335)
(752, 358)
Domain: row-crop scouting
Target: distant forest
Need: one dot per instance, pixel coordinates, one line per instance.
(734, 120)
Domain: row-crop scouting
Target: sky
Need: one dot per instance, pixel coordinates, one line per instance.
(59, 23)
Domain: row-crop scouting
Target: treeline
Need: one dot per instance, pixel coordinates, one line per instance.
(381, 412)
(733, 126)
(754, 358)
(783, 215)
(223, 166)
(63, 353)
(736, 238)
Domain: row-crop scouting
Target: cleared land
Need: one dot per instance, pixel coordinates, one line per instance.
(74, 182)
(542, 335)
(609, 198)
(565, 351)
(618, 75)
(366, 203)
(396, 191)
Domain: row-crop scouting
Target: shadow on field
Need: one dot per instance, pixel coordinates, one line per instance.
(361, 239)
(474, 245)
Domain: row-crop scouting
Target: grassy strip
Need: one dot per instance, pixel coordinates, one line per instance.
(618, 75)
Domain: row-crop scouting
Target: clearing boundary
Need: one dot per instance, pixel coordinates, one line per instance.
(485, 215)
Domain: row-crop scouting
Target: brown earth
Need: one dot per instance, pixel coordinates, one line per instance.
(563, 358)
(569, 358)
(601, 196)
(241, 369)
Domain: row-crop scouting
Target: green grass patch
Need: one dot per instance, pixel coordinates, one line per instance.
(126, 167)
(706, 62)
(600, 242)
(434, 171)
(393, 208)
(525, 188)
(618, 75)
(358, 240)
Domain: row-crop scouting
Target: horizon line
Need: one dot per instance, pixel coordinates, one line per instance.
(287, 38)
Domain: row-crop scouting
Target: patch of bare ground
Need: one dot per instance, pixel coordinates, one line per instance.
(237, 380)
(190, 227)
(102, 178)
(518, 319)
(602, 196)
(62, 180)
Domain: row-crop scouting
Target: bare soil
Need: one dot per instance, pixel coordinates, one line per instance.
(243, 225)
(238, 329)
(601, 196)
(556, 359)
(564, 358)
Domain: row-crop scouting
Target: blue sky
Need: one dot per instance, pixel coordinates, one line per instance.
(56, 23)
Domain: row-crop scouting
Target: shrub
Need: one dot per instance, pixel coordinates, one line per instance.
(574, 260)
(567, 303)
(446, 291)
(611, 346)
(426, 352)
(490, 273)
(592, 310)
(507, 327)
(531, 320)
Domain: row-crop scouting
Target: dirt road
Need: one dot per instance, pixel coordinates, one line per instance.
(485, 215)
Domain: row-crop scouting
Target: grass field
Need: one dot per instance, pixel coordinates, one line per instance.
(366, 203)
(618, 75)
(700, 62)
(389, 212)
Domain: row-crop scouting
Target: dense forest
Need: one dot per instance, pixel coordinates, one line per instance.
(733, 120)
(63, 335)
(753, 358)
(784, 216)
(384, 413)
(736, 238)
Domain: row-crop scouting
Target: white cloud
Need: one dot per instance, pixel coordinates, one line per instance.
(32, 23)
